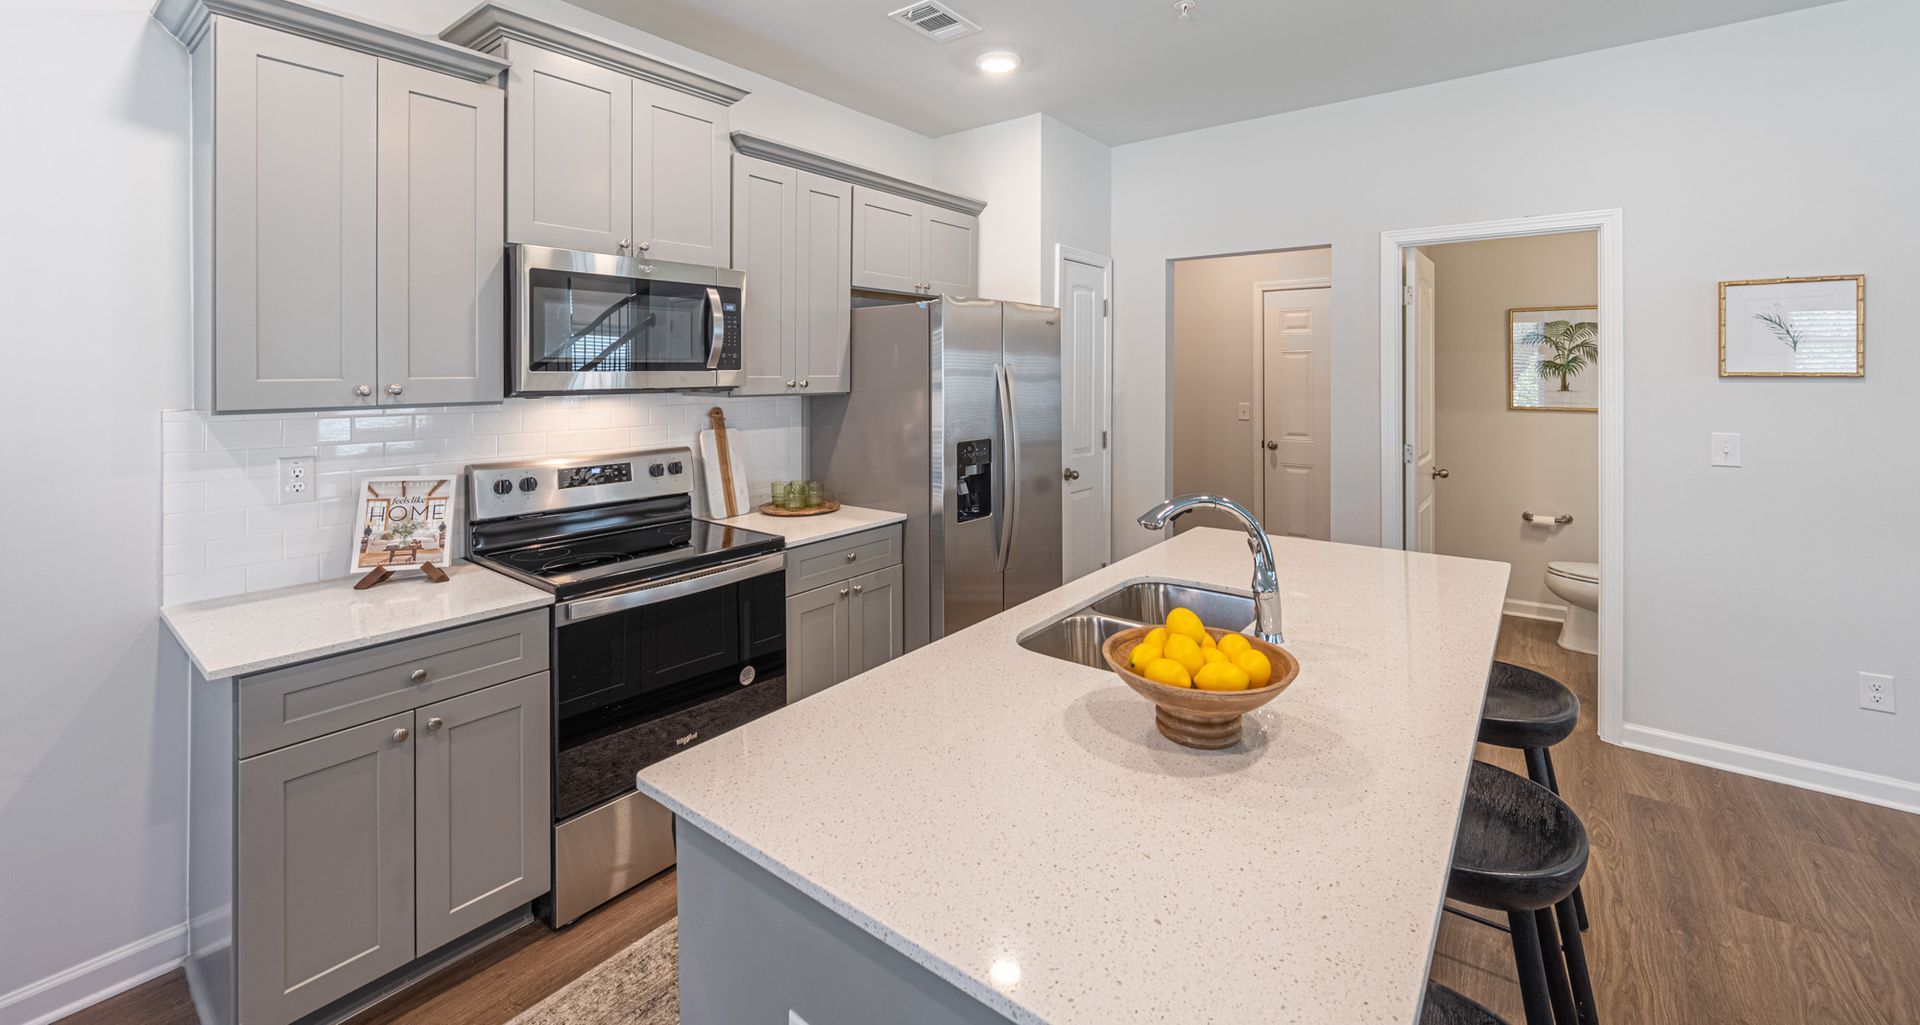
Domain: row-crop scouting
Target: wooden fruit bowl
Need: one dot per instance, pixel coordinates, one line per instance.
(1206, 719)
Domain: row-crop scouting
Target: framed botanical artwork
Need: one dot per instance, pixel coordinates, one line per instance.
(404, 522)
(1551, 357)
(1794, 327)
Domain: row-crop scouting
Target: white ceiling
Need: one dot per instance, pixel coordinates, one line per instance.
(1125, 70)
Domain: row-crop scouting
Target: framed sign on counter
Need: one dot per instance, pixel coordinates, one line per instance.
(404, 523)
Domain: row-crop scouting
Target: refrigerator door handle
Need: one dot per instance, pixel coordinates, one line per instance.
(1010, 486)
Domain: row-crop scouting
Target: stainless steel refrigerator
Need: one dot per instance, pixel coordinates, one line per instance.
(954, 420)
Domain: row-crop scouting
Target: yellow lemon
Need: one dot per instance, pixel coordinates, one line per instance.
(1169, 672)
(1184, 621)
(1207, 641)
(1220, 676)
(1181, 649)
(1234, 644)
(1213, 655)
(1143, 653)
(1156, 637)
(1256, 666)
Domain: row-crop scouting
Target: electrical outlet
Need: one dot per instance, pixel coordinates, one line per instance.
(1877, 693)
(297, 480)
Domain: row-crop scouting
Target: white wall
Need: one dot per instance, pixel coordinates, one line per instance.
(1505, 460)
(1076, 197)
(1773, 147)
(95, 183)
(1000, 163)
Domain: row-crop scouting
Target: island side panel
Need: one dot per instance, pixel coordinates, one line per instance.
(211, 768)
(754, 949)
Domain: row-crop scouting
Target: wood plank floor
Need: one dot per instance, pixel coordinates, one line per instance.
(1716, 899)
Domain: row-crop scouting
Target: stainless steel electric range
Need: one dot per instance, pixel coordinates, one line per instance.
(667, 631)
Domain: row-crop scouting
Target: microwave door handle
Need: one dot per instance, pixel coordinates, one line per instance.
(1010, 478)
(718, 322)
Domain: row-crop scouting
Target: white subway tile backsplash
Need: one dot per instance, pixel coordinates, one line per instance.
(225, 533)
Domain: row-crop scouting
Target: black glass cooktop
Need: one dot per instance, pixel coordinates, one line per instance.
(588, 563)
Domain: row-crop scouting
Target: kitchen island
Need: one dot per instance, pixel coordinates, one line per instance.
(976, 832)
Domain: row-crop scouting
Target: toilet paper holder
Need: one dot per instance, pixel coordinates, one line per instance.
(1561, 520)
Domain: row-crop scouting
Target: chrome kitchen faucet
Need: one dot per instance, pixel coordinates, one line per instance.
(1266, 583)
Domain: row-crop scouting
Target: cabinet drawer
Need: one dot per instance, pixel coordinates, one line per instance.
(290, 705)
(833, 560)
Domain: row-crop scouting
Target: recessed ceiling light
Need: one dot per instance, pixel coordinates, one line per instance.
(997, 62)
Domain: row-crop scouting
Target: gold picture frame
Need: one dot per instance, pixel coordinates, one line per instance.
(1589, 377)
(1753, 355)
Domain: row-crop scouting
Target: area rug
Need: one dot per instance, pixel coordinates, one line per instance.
(638, 986)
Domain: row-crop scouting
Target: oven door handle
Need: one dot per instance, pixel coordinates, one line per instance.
(716, 317)
(666, 590)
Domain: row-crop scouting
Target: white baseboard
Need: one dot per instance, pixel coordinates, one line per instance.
(88, 983)
(1799, 772)
(1536, 610)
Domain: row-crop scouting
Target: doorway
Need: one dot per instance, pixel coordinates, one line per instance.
(1252, 342)
(1415, 477)
(1083, 292)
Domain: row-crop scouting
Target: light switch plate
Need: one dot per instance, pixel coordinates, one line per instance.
(1723, 450)
(1246, 410)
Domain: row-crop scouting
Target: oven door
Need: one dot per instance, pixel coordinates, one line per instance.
(593, 322)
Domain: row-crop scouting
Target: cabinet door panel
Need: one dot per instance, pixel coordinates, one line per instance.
(483, 812)
(680, 201)
(886, 241)
(293, 256)
(951, 263)
(763, 246)
(877, 620)
(325, 868)
(823, 279)
(441, 238)
(817, 652)
(569, 152)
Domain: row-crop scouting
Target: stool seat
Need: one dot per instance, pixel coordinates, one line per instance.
(1445, 1007)
(1526, 708)
(1519, 848)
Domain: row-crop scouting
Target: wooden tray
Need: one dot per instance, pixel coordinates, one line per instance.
(1206, 719)
(813, 510)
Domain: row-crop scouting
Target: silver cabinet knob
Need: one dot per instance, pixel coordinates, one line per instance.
(856, 589)
(852, 556)
(418, 675)
(1070, 474)
(625, 242)
(363, 390)
(803, 384)
(435, 723)
(400, 735)
(792, 384)
(843, 592)
(1273, 446)
(1442, 474)
(643, 246)
(394, 389)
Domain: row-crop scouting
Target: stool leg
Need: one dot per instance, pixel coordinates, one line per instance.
(1552, 783)
(1530, 967)
(1576, 954)
(1559, 991)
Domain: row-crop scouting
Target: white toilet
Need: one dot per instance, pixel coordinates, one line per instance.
(1579, 584)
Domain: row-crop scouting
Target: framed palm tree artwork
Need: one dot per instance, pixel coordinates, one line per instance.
(1553, 356)
(1794, 327)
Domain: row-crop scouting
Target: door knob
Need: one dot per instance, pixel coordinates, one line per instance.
(1070, 474)
(1442, 474)
(363, 390)
(394, 389)
(1273, 446)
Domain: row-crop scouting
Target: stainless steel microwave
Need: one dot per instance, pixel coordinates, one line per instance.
(586, 322)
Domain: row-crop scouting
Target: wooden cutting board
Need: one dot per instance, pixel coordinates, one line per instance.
(725, 476)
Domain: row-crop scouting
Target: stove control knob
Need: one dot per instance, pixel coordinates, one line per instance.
(675, 468)
(503, 486)
(656, 470)
(528, 484)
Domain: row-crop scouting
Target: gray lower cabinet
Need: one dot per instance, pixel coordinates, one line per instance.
(793, 235)
(845, 609)
(325, 899)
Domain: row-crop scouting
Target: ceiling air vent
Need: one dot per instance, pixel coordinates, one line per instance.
(937, 21)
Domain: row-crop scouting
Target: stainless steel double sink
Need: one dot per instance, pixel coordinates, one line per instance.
(1078, 635)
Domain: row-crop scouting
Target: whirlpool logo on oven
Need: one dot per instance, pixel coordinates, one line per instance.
(688, 739)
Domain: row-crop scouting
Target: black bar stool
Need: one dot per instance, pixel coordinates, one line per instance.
(1445, 1007)
(1531, 711)
(1521, 850)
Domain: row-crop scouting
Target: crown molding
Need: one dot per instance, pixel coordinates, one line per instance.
(487, 25)
(188, 21)
(807, 160)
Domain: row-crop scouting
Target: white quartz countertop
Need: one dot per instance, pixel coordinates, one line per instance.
(251, 632)
(1015, 824)
(799, 530)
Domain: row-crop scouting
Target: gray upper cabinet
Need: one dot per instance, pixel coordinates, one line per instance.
(793, 235)
(886, 241)
(569, 152)
(325, 868)
(483, 826)
(823, 280)
(294, 134)
(950, 251)
(442, 268)
(680, 194)
(347, 227)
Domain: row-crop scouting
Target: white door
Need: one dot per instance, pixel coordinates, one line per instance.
(1296, 342)
(1422, 471)
(1086, 521)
